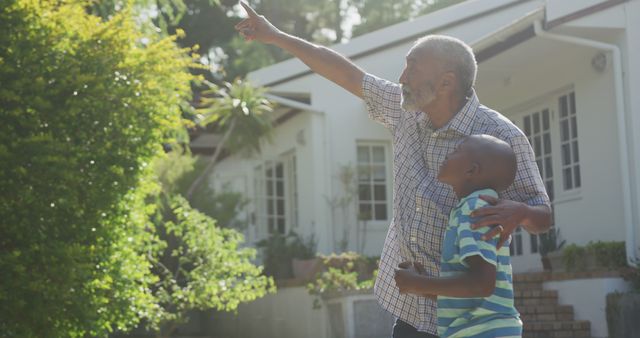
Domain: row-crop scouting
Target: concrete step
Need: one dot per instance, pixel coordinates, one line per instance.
(527, 294)
(579, 326)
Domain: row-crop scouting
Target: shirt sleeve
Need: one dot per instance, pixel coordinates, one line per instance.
(470, 242)
(383, 100)
(528, 186)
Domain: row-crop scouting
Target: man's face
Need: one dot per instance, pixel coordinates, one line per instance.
(418, 80)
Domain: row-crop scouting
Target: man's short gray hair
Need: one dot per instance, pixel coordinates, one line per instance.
(455, 55)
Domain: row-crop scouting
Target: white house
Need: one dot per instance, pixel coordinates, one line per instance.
(567, 72)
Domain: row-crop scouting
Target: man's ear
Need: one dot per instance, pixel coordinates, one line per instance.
(448, 82)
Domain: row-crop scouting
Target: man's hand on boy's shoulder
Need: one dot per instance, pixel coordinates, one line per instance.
(502, 214)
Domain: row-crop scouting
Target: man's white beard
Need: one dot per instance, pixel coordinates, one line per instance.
(413, 103)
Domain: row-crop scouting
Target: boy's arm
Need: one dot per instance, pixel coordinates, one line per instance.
(478, 281)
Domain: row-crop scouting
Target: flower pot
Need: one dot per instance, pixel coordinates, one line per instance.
(306, 269)
(546, 263)
(556, 261)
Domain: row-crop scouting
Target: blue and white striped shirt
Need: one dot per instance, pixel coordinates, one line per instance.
(493, 316)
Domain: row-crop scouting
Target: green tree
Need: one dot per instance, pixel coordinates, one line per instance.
(238, 112)
(377, 14)
(85, 107)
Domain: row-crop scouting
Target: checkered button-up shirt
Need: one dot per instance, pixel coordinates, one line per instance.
(421, 204)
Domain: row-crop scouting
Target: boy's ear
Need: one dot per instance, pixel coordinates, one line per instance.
(473, 170)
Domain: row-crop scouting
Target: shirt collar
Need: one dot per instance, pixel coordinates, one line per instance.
(462, 121)
(476, 194)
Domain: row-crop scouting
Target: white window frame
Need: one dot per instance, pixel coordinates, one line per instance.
(552, 102)
(276, 212)
(388, 190)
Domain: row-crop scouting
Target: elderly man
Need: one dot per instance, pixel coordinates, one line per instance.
(428, 114)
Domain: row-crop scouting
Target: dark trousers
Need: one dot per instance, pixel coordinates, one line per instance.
(404, 330)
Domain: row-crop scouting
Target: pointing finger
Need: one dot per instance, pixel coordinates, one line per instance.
(250, 11)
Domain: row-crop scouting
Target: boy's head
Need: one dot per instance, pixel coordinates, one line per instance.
(479, 162)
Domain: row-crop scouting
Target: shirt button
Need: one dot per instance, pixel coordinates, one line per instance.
(418, 209)
(413, 238)
(435, 134)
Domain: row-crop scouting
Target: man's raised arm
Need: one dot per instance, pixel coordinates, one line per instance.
(321, 60)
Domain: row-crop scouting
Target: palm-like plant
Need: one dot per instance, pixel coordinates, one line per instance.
(239, 113)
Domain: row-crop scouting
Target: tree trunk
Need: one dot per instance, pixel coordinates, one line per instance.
(212, 162)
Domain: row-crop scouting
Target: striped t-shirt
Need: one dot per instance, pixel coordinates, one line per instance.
(493, 316)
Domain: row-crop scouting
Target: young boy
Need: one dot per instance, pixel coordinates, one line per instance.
(474, 290)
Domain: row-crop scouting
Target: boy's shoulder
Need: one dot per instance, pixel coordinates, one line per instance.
(473, 201)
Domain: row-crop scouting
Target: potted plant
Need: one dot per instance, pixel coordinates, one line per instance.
(304, 261)
(549, 248)
(276, 255)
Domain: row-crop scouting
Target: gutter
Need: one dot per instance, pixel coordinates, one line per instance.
(630, 242)
(291, 103)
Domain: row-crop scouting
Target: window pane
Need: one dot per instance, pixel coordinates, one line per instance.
(363, 154)
(568, 181)
(572, 103)
(364, 192)
(281, 207)
(563, 106)
(270, 208)
(527, 125)
(378, 154)
(547, 143)
(380, 192)
(564, 130)
(574, 127)
(518, 244)
(381, 212)
(379, 173)
(548, 167)
(576, 173)
(550, 190)
(279, 171)
(534, 243)
(364, 173)
(566, 154)
(281, 225)
(279, 188)
(365, 212)
(269, 188)
(537, 145)
(536, 123)
(271, 224)
(576, 157)
(545, 119)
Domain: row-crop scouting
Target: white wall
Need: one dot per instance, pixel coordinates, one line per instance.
(631, 58)
(589, 299)
(287, 314)
(518, 79)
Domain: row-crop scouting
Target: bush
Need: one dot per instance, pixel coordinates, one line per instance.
(611, 255)
(344, 272)
(84, 106)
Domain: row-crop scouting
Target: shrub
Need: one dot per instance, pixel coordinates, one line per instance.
(85, 105)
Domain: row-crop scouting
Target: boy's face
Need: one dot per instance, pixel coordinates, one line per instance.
(457, 167)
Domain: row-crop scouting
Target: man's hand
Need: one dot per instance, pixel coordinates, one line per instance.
(256, 27)
(503, 215)
(407, 276)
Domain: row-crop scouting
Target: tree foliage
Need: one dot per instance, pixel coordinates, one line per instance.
(85, 106)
